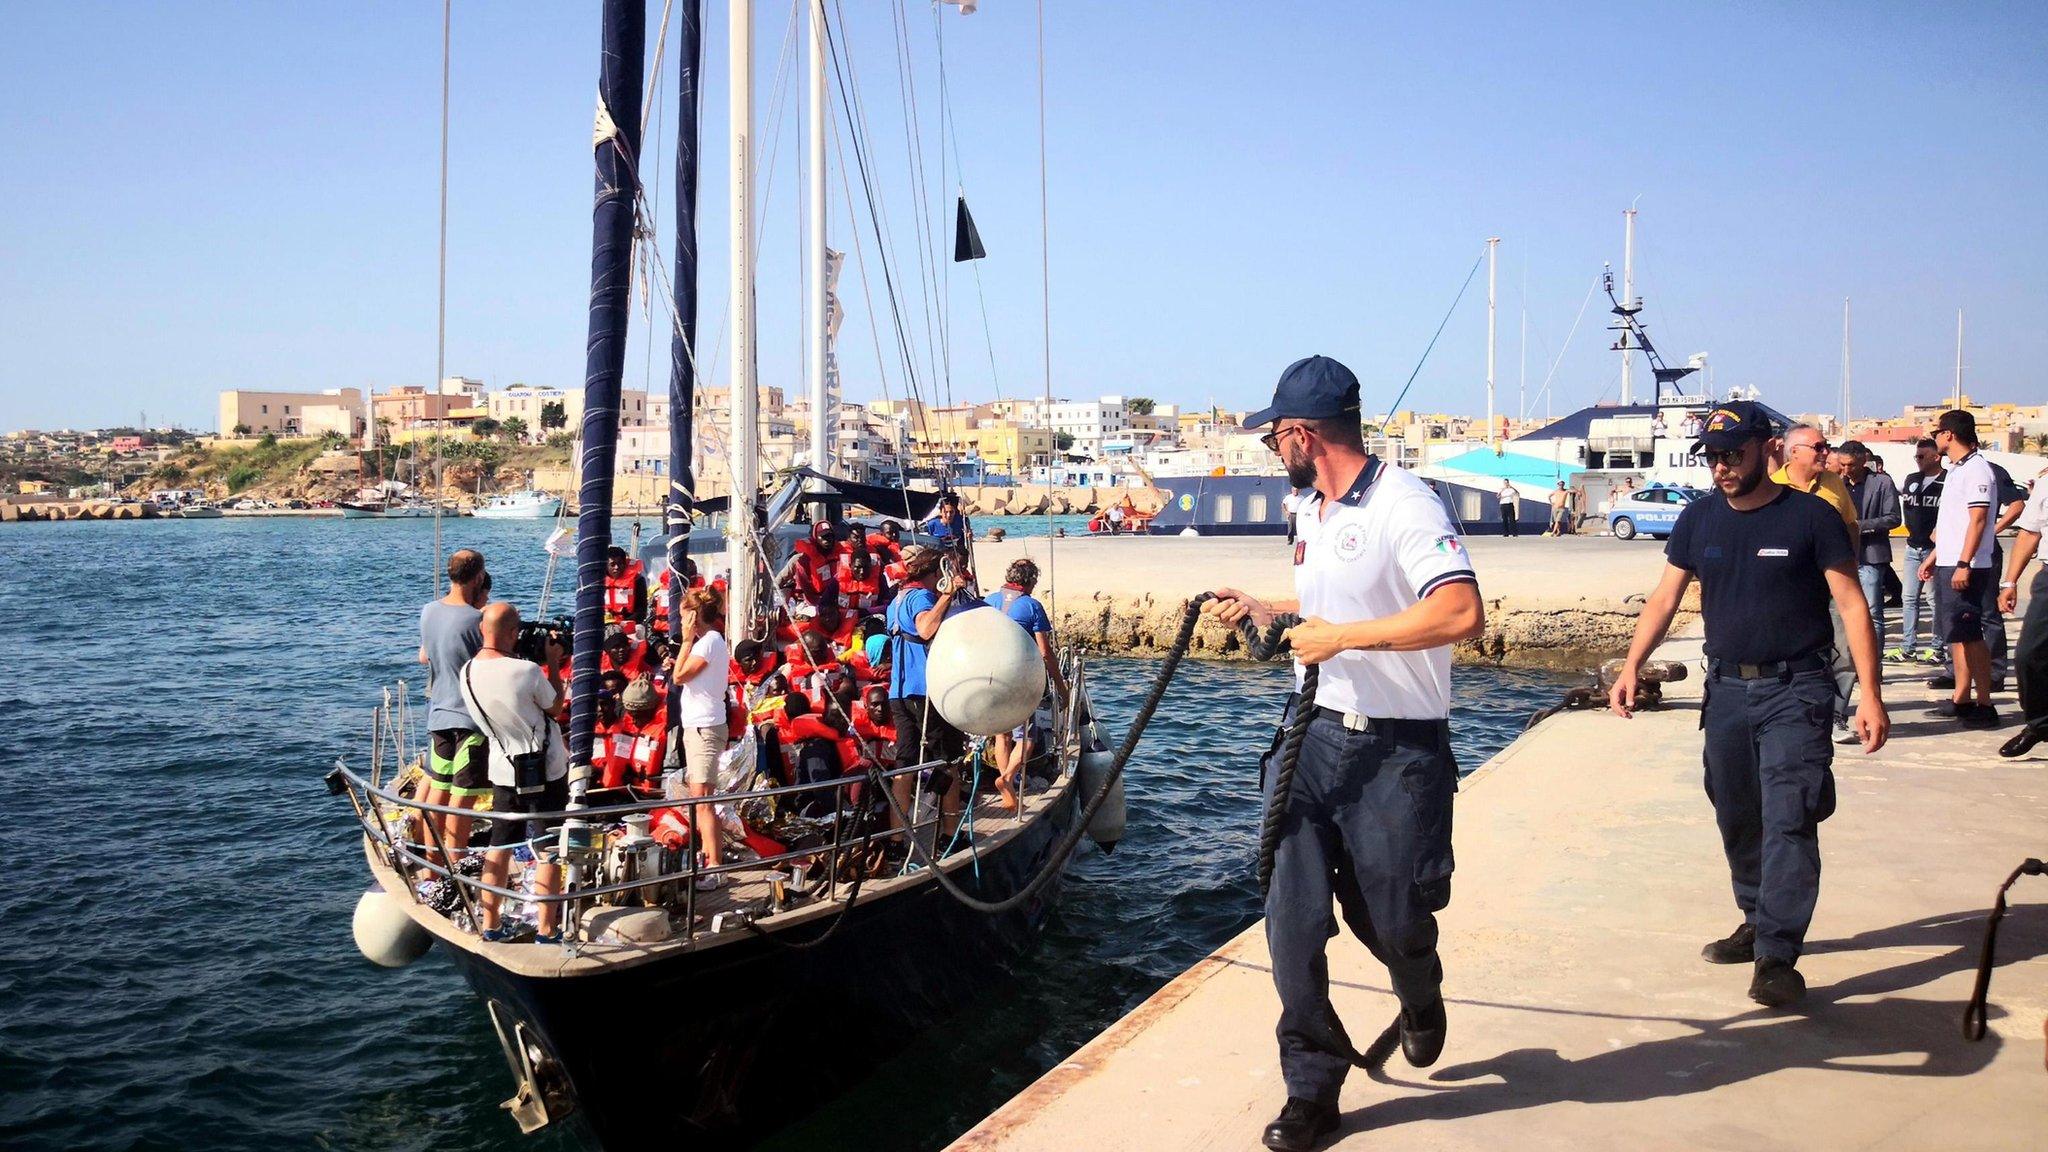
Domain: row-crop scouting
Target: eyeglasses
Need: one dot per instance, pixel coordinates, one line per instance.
(1272, 439)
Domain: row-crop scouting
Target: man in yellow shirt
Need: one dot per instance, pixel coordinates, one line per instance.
(1806, 468)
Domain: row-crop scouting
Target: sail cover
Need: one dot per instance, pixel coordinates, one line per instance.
(682, 375)
(966, 238)
(617, 153)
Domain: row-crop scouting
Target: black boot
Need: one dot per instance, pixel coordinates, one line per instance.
(1777, 983)
(1301, 1125)
(1738, 948)
(1422, 1034)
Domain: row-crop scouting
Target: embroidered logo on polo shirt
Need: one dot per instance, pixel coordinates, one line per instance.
(1350, 544)
(1772, 552)
(1449, 545)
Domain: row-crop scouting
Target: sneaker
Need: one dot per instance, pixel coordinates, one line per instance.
(1942, 680)
(1301, 1126)
(1777, 984)
(1846, 735)
(552, 938)
(711, 882)
(1739, 947)
(509, 932)
(1897, 655)
(1976, 715)
(1946, 710)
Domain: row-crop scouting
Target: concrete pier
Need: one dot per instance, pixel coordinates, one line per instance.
(1581, 1017)
(1562, 602)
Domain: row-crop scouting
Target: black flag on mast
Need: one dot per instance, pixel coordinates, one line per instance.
(966, 239)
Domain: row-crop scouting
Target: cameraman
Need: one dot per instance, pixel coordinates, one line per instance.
(520, 707)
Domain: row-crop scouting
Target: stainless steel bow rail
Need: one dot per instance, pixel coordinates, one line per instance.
(578, 840)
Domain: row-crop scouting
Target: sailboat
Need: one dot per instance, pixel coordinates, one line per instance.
(670, 1015)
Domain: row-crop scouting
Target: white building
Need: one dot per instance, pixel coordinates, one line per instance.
(1089, 422)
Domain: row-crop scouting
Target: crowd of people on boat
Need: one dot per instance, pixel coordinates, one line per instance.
(832, 689)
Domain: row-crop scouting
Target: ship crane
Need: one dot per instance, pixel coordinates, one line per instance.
(1635, 336)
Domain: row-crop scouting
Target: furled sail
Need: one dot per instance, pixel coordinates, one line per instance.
(617, 152)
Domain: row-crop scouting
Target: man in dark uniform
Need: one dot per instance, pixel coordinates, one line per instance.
(1385, 589)
(1768, 559)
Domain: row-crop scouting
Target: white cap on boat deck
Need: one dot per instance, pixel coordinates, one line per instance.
(984, 673)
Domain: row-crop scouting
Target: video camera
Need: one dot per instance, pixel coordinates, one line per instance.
(534, 635)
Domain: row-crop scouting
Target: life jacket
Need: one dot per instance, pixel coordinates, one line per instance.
(881, 738)
(619, 593)
(864, 671)
(634, 667)
(601, 757)
(670, 827)
(657, 607)
(637, 750)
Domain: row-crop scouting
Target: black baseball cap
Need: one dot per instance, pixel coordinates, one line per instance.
(1317, 388)
(1734, 424)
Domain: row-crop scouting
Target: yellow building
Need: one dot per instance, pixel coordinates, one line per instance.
(287, 413)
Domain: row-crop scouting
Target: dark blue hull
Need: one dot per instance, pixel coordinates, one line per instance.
(1252, 506)
(715, 1049)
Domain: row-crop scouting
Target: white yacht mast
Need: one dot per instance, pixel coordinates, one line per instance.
(1956, 401)
(743, 466)
(1628, 300)
(1848, 398)
(1492, 280)
(822, 417)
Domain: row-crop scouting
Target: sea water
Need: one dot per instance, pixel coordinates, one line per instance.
(176, 968)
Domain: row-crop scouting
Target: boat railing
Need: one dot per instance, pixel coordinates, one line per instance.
(578, 833)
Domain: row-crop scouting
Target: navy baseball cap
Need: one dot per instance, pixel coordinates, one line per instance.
(1317, 388)
(1734, 424)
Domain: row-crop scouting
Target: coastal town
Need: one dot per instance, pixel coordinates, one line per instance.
(303, 450)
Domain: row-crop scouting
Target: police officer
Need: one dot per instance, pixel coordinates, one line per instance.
(1768, 558)
(1385, 588)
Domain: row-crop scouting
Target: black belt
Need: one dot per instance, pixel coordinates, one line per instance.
(1377, 724)
(1774, 670)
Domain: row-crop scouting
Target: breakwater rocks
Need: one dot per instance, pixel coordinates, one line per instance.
(32, 511)
(1564, 637)
(1041, 500)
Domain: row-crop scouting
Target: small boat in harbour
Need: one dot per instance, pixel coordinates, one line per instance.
(528, 504)
(200, 510)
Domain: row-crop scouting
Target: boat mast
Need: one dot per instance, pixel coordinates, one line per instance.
(1492, 280)
(616, 148)
(1628, 298)
(744, 467)
(814, 320)
(1848, 404)
(1956, 401)
(682, 369)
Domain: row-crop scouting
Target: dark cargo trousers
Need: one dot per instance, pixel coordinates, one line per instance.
(2030, 657)
(1768, 751)
(1369, 825)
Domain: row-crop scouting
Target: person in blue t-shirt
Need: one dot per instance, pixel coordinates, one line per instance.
(922, 735)
(949, 526)
(1014, 599)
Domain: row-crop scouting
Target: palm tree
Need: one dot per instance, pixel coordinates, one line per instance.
(515, 427)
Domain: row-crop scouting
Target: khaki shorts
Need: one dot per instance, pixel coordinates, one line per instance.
(702, 748)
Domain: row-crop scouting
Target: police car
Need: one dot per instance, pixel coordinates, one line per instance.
(1650, 511)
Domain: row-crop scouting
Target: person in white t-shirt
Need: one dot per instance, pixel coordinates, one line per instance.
(700, 675)
(1289, 505)
(520, 709)
(2030, 655)
(1386, 588)
(1960, 566)
(1510, 509)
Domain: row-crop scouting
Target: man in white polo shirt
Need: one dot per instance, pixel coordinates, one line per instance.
(1961, 566)
(1385, 588)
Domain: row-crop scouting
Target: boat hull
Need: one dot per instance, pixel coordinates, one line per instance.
(541, 510)
(716, 1048)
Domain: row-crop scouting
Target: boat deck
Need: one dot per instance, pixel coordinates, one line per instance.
(1589, 874)
(746, 888)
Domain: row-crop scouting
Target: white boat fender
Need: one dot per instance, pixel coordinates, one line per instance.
(983, 673)
(1107, 829)
(385, 935)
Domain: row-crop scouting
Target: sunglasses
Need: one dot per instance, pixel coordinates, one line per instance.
(1272, 439)
(1726, 458)
(1821, 448)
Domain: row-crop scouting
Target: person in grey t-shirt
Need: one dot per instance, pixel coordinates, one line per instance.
(450, 633)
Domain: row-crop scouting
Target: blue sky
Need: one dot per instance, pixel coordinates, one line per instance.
(243, 195)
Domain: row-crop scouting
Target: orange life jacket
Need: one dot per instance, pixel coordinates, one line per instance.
(618, 593)
(637, 750)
